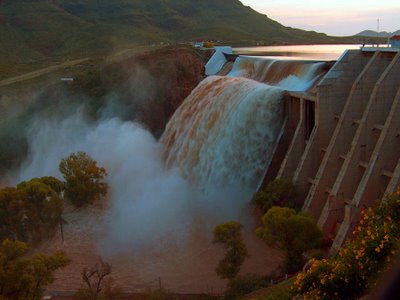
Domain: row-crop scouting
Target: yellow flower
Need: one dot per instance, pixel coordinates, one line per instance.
(377, 249)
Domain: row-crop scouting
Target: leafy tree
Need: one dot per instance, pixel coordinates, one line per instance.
(83, 179)
(292, 232)
(228, 234)
(31, 211)
(279, 192)
(43, 207)
(25, 278)
(54, 183)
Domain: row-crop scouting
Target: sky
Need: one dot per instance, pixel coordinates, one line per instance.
(337, 17)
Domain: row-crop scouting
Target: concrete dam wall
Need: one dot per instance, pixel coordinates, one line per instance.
(330, 127)
(341, 141)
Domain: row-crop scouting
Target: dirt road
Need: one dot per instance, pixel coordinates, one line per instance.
(41, 72)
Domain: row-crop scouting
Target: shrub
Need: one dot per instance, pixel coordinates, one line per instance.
(279, 192)
(352, 271)
(293, 232)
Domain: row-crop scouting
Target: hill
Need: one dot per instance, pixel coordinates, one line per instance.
(44, 30)
(372, 33)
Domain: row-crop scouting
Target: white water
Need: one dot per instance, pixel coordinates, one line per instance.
(225, 132)
(292, 75)
(148, 202)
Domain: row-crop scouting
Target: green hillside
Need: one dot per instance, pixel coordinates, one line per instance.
(45, 30)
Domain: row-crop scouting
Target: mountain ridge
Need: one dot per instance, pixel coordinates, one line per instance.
(373, 33)
(39, 30)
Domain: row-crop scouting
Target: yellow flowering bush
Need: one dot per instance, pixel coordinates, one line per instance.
(352, 271)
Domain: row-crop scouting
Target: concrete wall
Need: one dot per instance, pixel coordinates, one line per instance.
(350, 158)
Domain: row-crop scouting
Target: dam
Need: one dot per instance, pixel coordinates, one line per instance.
(341, 134)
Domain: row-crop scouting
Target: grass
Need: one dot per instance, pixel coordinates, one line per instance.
(280, 291)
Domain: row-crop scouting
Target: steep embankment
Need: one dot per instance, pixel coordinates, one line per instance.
(147, 87)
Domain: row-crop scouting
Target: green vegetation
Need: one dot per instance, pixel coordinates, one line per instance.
(228, 234)
(293, 232)
(25, 278)
(280, 291)
(44, 31)
(31, 211)
(279, 192)
(83, 179)
(245, 284)
(355, 268)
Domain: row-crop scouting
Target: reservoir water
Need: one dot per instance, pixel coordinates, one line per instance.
(313, 52)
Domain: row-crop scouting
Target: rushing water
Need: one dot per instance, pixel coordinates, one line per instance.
(225, 132)
(293, 75)
(319, 52)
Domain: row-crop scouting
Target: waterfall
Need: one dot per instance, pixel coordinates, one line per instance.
(225, 132)
(293, 75)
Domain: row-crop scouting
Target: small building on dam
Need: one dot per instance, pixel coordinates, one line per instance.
(341, 142)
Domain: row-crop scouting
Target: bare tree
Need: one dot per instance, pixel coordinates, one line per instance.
(94, 276)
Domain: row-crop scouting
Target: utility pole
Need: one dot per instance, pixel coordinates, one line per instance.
(377, 33)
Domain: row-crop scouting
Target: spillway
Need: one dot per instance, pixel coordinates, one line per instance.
(227, 129)
(292, 75)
